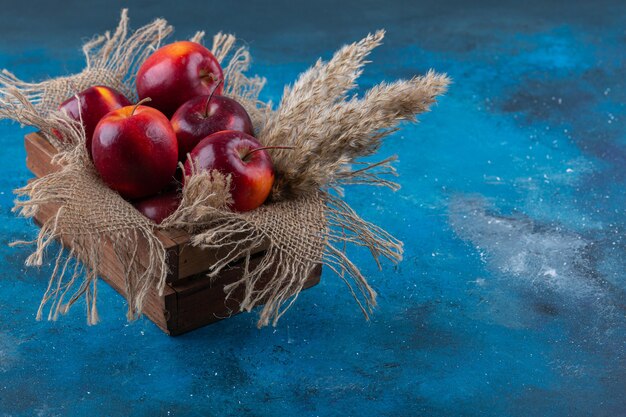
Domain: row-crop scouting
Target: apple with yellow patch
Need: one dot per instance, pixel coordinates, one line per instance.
(177, 73)
(91, 105)
(243, 158)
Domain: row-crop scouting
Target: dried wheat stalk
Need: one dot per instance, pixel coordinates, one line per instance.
(330, 132)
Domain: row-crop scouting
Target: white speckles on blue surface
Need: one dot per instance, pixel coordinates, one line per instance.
(517, 247)
(9, 352)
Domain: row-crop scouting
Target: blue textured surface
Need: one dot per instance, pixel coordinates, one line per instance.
(511, 299)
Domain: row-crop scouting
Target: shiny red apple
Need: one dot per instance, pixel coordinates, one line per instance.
(135, 151)
(204, 115)
(241, 156)
(176, 73)
(158, 208)
(93, 103)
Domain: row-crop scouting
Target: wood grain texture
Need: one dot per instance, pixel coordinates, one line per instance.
(194, 295)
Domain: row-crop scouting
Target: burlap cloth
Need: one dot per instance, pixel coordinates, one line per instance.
(306, 222)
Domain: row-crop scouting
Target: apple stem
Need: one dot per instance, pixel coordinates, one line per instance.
(262, 148)
(208, 100)
(145, 100)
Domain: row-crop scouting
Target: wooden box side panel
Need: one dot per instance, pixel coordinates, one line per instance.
(204, 301)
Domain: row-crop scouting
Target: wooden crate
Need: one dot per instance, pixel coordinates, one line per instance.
(190, 300)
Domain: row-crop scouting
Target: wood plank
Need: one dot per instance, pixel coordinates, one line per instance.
(203, 301)
(39, 153)
(192, 260)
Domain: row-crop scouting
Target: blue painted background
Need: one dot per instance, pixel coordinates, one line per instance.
(511, 300)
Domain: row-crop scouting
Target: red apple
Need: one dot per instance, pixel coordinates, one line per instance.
(241, 156)
(135, 151)
(157, 208)
(93, 103)
(176, 73)
(204, 115)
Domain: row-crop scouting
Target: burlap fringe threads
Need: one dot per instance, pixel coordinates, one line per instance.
(306, 221)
